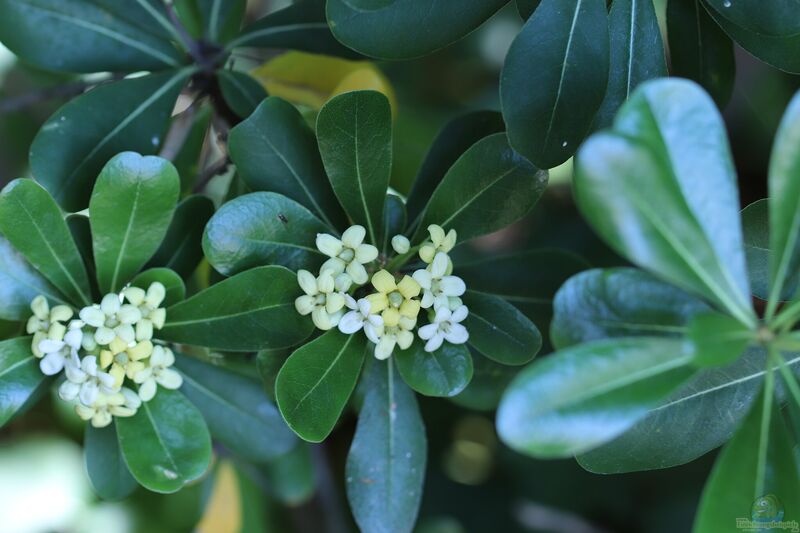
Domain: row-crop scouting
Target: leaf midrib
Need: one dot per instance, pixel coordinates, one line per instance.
(126, 237)
(224, 317)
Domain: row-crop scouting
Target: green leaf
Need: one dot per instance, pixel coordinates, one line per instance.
(394, 220)
(777, 17)
(268, 365)
(488, 188)
(108, 474)
(76, 142)
(34, 225)
(181, 248)
(715, 399)
(658, 172)
(130, 210)
(241, 91)
(86, 36)
(222, 19)
(176, 290)
(700, 50)
(499, 331)
(444, 372)
(19, 284)
(187, 160)
(275, 150)
(527, 7)
(620, 302)
(386, 463)
(262, 228)
(719, 339)
(316, 382)
(489, 381)
(568, 42)
(237, 410)
(300, 26)
(354, 131)
(584, 396)
(755, 232)
(784, 205)
(21, 381)
(166, 443)
(755, 477)
(450, 143)
(636, 54)
(405, 29)
(250, 311)
(291, 477)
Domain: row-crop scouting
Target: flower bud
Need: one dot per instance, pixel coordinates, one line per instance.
(400, 244)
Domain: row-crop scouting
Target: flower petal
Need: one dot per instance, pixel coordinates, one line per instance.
(354, 236)
(452, 286)
(434, 343)
(169, 379)
(147, 390)
(439, 265)
(351, 322)
(457, 334)
(358, 273)
(427, 331)
(366, 253)
(328, 244)
(307, 282)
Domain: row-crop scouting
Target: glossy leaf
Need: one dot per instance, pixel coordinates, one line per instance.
(19, 284)
(699, 49)
(584, 396)
(354, 131)
(316, 382)
(21, 381)
(221, 18)
(755, 232)
(275, 150)
(394, 220)
(451, 142)
(777, 17)
(784, 204)
(166, 443)
(488, 188)
(527, 7)
(250, 311)
(108, 474)
(657, 173)
(718, 338)
(444, 372)
(130, 210)
(262, 228)
(237, 410)
(386, 463)
(636, 54)
(181, 248)
(568, 42)
(85, 36)
(187, 160)
(35, 227)
(76, 142)
(620, 302)
(241, 92)
(405, 29)
(176, 290)
(499, 331)
(755, 476)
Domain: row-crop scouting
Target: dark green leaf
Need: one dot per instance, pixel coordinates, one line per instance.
(386, 464)
(405, 29)
(176, 290)
(21, 381)
(776, 17)
(76, 142)
(291, 477)
(718, 339)
(569, 46)
(19, 284)
(237, 410)
(488, 188)
(637, 54)
(620, 302)
(527, 7)
(489, 381)
(499, 331)
(250, 311)
(262, 228)
(87, 36)
(107, 471)
(34, 225)
(166, 443)
(268, 364)
(584, 396)
(275, 150)
(241, 92)
(451, 142)
(181, 249)
(222, 18)
(394, 220)
(755, 232)
(699, 49)
(354, 131)
(130, 210)
(444, 372)
(187, 160)
(316, 382)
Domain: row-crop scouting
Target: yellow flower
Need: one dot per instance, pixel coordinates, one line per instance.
(394, 300)
(439, 242)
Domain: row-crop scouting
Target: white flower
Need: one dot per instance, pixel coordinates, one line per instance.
(437, 287)
(122, 403)
(439, 242)
(359, 318)
(46, 323)
(400, 244)
(321, 300)
(114, 322)
(56, 353)
(158, 372)
(347, 255)
(446, 326)
(148, 304)
(85, 381)
(395, 336)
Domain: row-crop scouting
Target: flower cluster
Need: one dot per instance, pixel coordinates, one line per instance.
(387, 309)
(104, 345)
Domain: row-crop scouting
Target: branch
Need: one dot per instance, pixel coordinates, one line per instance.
(210, 172)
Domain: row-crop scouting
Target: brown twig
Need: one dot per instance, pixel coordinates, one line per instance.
(210, 172)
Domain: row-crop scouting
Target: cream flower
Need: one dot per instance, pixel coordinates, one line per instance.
(400, 335)
(114, 322)
(348, 255)
(394, 300)
(360, 317)
(437, 287)
(401, 244)
(148, 303)
(439, 242)
(321, 300)
(56, 353)
(158, 372)
(446, 326)
(85, 381)
(123, 403)
(46, 323)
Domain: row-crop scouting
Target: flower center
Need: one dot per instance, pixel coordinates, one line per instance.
(347, 255)
(395, 299)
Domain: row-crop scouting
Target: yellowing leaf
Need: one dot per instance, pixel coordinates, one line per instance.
(313, 79)
(223, 514)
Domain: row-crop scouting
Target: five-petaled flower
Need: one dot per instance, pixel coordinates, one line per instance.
(322, 300)
(348, 255)
(445, 326)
